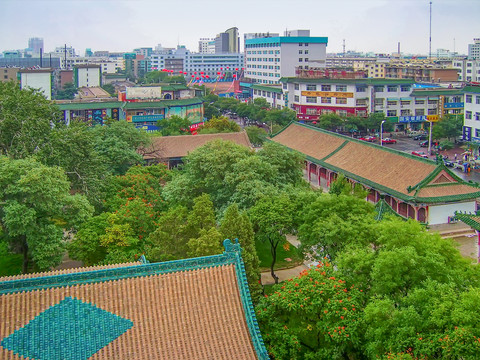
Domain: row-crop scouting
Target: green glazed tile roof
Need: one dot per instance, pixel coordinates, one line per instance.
(161, 104)
(277, 90)
(69, 330)
(436, 92)
(471, 89)
(404, 176)
(364, 81)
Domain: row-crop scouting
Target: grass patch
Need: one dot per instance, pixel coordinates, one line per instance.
(285, 250)
(10, 264)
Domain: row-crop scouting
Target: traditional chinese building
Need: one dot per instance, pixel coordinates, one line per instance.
(187, 309)
(414, 187)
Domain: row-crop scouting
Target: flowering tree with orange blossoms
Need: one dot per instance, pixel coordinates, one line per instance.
(313, 316)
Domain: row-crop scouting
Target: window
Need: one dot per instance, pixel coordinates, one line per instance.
(341, 88)
(361, 89)
(432, 111)
(379, 102)
(432, 102)
(311, 99)
(477, 116)
(405, 88)
(378, 88)
(391, 112)
(404, 102)
(341, 100)
(362, 113)
(405, 112)
(468, 115)
(297, 98)
(306, 59)
(279, 96)
(392, 88)
(268, 94)
(326, 100)
(300, 59)
(361, 102)
(419, 102)
(391, 102)
(419, 112)
(477, 132)
(326, 88)
(311, 87)
(306, 44)
(300, 52)
(342, 113)
(477, 99)
(311, 111)
(306, 51)
(297, 87)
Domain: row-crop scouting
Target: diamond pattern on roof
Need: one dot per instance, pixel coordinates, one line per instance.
(69, 330)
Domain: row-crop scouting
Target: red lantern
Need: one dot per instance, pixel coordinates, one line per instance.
(218, 73)
(236, 69)
(198, 78)
(201, 72)
(193, 75)
(208, 77)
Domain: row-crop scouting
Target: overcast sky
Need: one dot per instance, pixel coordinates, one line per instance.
(122, 25)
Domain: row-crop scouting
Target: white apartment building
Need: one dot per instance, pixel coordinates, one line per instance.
(468, 70)
(87, 75)
(206, 46)
(474, 49)
(471, 125)
(269, 59)
(196, 63)
(40, 79)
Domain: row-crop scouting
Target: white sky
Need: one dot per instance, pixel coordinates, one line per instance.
(122, 25)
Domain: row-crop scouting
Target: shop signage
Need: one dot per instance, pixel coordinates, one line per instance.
(328, 94)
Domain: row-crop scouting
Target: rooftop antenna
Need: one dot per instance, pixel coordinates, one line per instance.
(430, 44)
(343, 47)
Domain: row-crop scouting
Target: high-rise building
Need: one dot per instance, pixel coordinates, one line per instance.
(206, 46)
(35, 44)
(228, 41)
(474, 49)
(270, 58)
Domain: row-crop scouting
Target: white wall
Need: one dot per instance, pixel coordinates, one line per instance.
(88, 77)
(439, 214)
(41, 81)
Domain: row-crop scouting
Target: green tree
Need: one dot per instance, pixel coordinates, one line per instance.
(201, 217)
(236, 225)
(118, 143)
(26, 120)
(208, 243)
(332, 222)
(155, 77)
(109, 88)
(256, 135)
(273, 219)
(219, 125)
(330, 122)
(449, 127)
(341, 186)
(169, 240)
(174, 125)
(36, 209)
(280, 117)
(313, 316)
(67, 93)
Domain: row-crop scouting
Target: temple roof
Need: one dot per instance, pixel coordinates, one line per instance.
(188, 309)
(407, 177)
(168, 147)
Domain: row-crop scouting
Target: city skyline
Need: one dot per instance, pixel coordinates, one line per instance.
(367, 26)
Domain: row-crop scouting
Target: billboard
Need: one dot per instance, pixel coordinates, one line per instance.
(328, 94)
(151, 92)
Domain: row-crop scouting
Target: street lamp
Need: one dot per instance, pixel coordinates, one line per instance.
(381, 132)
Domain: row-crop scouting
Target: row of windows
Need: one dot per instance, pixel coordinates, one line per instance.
(468, 99)
(276, 67)
(359, 88)
(267, 94)
(468, 115)
(264, 52)
(263, 59)
(262, 74)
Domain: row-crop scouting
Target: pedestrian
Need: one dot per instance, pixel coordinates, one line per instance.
(455, 157)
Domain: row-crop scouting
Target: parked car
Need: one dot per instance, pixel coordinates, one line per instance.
(424, 143)
(449, 163)
(420, 137)
(389, 141)
(420, 153)
(368, 138)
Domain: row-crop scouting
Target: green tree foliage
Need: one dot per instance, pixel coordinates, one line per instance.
(118, 143)
(236, 225)
(256, 135)
(174, 125)
(281, 117)
(334, 221)
(288, 163)
(208, 243)
(341, 186)
(155, 77)
(67, 93)
(219, 125)
(26, 120)
(314, 316)
(109, 88)
(272, 218)
(36, 208)
(330, 122)
(449, 127)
